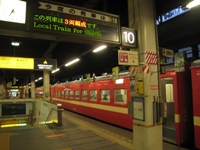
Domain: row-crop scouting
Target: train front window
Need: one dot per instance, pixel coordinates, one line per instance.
(105, 95)
(93, 95)
(77, 94)
(84, 94)
(120, 96)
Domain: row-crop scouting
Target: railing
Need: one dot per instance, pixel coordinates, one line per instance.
(59, 116)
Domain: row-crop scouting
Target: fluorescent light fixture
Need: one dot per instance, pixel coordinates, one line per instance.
(36, 80)
(55, 70)
(15, 43)
(40, 78)
(99, 48)
(193, 4)
(71, 62)
(119, 81)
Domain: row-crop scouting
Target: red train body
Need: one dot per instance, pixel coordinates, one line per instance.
(87, 98)
(195, 73)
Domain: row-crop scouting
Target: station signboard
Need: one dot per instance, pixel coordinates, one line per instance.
(16, 62)
(27, 63)
(45, 64)
(129, 58)
(129, 37)
(74, 22)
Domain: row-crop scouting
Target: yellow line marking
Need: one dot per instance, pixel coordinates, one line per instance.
(196, 121)
(97, 106)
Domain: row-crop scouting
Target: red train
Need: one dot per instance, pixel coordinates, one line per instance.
(107, 100)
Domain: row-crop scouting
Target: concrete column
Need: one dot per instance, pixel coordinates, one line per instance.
(32, 85)
(46, 85)
(1, 88)
(27, 89)
(147, 134)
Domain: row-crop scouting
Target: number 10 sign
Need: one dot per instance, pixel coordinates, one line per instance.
(129, 38)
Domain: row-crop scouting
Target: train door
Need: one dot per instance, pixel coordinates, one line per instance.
(167, 92)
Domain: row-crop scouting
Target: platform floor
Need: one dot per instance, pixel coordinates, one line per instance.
(76, 133)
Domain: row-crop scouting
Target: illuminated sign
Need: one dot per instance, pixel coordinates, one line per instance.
(171, 14)
(16, 62)
(129, 37)
(45, 64)
(14, 90)
(74, 22)
(27, 63)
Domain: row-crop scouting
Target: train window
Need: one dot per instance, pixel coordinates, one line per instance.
(169, 93)
(77, 94)
(120, 96)
(62, 94)
(66, 94)
(93, 95)
(105, 95)
(58, 94)
(84, 94)
(71, 93)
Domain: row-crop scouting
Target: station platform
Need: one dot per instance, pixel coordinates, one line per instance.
(76, 133)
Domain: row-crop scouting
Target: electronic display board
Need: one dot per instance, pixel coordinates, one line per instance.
(72, 21)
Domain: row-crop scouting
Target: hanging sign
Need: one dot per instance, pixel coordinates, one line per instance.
(129, 37)
(74, 22)
(127, 57)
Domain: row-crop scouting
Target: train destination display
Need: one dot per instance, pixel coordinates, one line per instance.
(67, 20)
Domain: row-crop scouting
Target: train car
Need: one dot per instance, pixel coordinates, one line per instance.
(39, 93)
(195, 75)
(177, 95)
(105, 99)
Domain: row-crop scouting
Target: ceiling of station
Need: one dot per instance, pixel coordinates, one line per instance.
(179, 32)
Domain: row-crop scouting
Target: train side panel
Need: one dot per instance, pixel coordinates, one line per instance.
(114, 110)
(181, 105)
(195, 75)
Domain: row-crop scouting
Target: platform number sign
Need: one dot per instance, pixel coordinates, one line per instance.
(129, 37)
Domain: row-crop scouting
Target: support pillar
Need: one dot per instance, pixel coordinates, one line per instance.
(147, 133)
(27, 89)
(32, 85)
(46, 85)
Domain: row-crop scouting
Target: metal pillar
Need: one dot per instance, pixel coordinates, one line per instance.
(147, 133)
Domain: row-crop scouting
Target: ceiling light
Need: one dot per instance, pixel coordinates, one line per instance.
(99, 48)
(15, 43)
(55, 70)
(40, 78)
(71, 62)
(193, 3)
